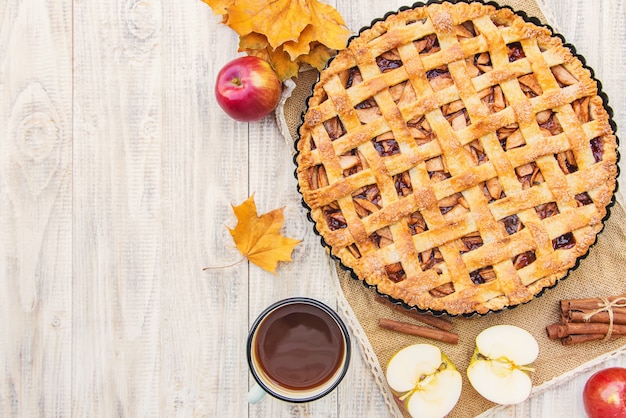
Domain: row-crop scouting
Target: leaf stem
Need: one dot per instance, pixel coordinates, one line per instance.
(226, 266)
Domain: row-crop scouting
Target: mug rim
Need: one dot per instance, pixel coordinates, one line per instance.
(332, 314)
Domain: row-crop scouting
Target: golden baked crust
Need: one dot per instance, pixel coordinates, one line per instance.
(457, 157)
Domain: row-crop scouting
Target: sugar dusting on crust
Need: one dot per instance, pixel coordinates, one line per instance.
(441, 18)
(313, 117)
(523, 112)
(599, 114)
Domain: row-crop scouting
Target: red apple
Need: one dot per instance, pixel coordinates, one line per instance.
(247, 88)
(604, 395)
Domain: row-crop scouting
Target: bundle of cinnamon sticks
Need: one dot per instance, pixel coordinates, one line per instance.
(439, 329)
(592, 319)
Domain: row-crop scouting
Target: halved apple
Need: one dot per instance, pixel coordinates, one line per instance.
(499, 369)
(425, 380)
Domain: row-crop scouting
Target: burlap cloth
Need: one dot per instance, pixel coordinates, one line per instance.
(599, 274)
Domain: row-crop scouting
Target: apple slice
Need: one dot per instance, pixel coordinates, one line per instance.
(425, 380)
(499, 368)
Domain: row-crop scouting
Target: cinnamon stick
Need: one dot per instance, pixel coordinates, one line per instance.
(596, 300)
(590, 307)
(440, 323)
(602, 317)
(418, 330)
(582, 338)
(553, 330)
(590, 304)
(558, 330)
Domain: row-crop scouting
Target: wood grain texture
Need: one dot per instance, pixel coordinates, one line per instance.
(35, 208)
(118, 224)
(205, 170)
(117, 175)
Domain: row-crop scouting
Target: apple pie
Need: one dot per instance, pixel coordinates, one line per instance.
(457, 157)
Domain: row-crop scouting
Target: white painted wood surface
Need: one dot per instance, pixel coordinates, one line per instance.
(117, 172)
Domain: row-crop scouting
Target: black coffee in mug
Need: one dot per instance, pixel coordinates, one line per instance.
(298, 349)
(299, 346)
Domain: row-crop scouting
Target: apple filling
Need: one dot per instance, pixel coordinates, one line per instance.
(597, 148)
(529, 175)
(492, 189)
(334, 128)
(583, 199)
(386, 144)
(564, 242)
(465, 30)
(562, 76)
(395, 272)
(416, 223)
(388, 61)
(352, 162)
(482, 62)
(427, 45)
(515, 51)
(439, 78)
(483, 275)
(510, 137)
(547, 210)
(429, 259)
(442, 290)
(470, 242)
(530, 86)
(493, 98)
(366, 200)
(511, 224)
(522, 260)
(402, 183)
(420, 130)
(382, 237)
(334, 217)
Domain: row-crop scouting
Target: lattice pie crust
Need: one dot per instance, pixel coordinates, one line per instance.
(457, 157)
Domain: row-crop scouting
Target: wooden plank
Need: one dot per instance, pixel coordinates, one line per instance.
(35, 208)
(117, 208)
(205, 160)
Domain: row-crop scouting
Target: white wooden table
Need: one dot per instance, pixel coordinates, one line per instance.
(117, 172)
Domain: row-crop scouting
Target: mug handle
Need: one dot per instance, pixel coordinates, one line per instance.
(256, 393)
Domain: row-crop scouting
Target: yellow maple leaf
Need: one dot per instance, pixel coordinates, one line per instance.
(258, 238)
(329, 27)
(282, 64)
(279, 20)
(252, 41)
(302, 46)
(318, 56)
(219, 6)
(287, 33)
